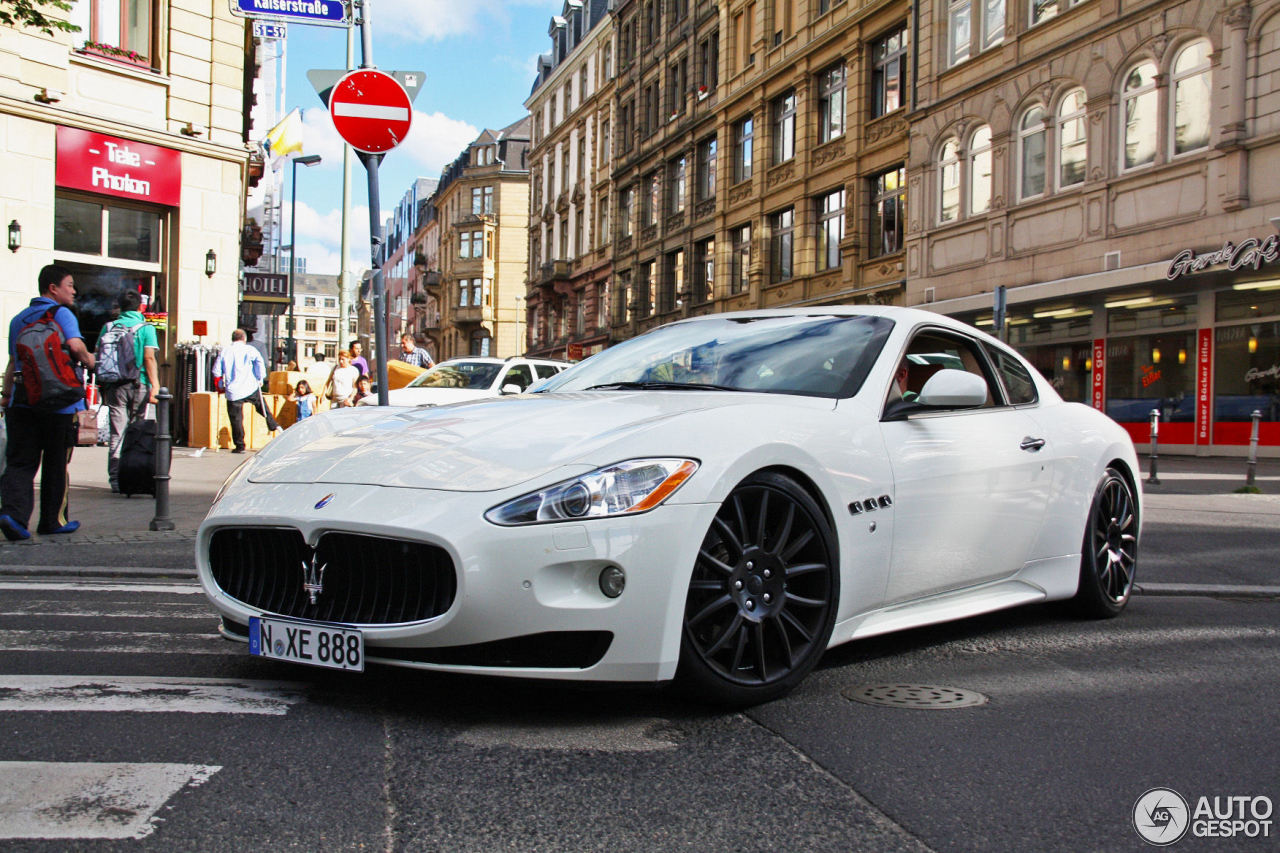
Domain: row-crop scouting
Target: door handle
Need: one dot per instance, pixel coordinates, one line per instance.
(1032, 444)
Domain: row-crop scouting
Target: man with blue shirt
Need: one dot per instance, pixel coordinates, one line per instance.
(240, 371)
(40, 440)
(127, 401)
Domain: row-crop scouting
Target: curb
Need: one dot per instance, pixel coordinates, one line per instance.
(116, 572)
(1211, 590)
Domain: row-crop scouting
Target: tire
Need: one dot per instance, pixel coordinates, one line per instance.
(1109, 554)
(762, 596)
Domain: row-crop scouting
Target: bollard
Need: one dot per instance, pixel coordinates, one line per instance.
(1253, 450)
(1154, 478)
(162, 521)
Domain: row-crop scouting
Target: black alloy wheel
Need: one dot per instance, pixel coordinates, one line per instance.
(1109, 554)
(763, 594)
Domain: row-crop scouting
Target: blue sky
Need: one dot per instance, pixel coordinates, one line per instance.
(479, 59)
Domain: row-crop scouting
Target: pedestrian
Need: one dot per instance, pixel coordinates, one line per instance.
(39, 439)
(358, 361)
(364, 388)
(340, 388)
(239, 371)
(411, 353)
(305, 400)
(126, 389)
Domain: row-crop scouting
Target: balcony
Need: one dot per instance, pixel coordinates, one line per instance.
(471, 314)
(430, 280)
(553, 271)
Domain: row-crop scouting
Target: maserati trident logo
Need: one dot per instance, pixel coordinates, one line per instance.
(313, 577)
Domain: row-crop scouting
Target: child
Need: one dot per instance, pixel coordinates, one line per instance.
(363, 389)
(304, 398)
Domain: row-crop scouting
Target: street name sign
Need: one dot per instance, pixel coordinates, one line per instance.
(370, 110)
(269, 30)
(329, 13)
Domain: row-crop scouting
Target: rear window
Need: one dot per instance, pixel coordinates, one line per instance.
(1019, 387)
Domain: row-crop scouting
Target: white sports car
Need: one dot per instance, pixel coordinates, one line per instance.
(716, 502)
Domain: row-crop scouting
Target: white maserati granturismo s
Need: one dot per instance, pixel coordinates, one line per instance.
(715, 502)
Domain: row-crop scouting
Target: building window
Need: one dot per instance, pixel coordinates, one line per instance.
(580, 234)
(309, 325)
(676, 185)
(831, 92)
(564, 239)
(959, 34)
(481, 200)
(889, 73)
(331, 302)
(980, 170)
(704, 271)
(606, 62)
(471, 244)
(888, 212)
(708, 64)
(740, 260)
(1141, 123)
(602, 221)
(1191, 98)
(330, 350)
(126, 24)
(784, 128)
(1031, 151)
(644, 289)
(308, 302)
(677, 86)
(1073, 148)
(707, 169)
(331, 326)
(652, 201)
(1043, 10)
(742, 142)
(992, 23)
(602, 304)
(949, 181)
(604, 142)
(672, 283)
(480, 342)
(626, 210)
(622, 299)
(830, 229)
(782, 226)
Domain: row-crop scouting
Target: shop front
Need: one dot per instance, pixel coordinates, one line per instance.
(114, 208)
(1196, 340)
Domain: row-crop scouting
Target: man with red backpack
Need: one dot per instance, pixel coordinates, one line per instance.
(40, 399)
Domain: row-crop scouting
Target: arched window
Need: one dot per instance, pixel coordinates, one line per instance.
(1141, 125)
(980, 170)
(949, 181)
(1191, 98)
(1031, 146)
(1073, 147)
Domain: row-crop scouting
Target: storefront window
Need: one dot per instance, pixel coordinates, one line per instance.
(1068, 367)
(1246, 359)
(1140, 313)
(1152, 372)
(77, 227)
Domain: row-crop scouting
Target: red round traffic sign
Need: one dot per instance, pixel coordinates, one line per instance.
(370, 110)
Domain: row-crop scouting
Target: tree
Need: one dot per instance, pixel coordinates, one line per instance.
(32, 13)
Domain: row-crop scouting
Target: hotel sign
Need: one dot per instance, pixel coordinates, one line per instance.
(108, 165)
(266, 287)
(1251, 253)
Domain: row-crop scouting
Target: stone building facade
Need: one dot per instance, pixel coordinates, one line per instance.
(1110, 164)
(125, 161)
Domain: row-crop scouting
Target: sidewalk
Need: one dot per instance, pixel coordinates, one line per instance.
(115, 539)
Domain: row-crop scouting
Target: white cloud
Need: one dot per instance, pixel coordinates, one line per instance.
(433, 20)
(320, 237)
(434, 140)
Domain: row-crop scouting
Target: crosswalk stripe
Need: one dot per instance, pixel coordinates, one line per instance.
(146, 694)
(191, 588)
(61, 607)
(116, 642)
(89, 800)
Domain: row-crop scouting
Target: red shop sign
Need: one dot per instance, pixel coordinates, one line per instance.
(108, 165)
(1204, 373)
(1099, 375)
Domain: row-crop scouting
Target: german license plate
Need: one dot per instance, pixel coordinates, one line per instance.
(311, 643)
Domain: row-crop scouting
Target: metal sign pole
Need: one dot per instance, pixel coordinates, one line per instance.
(371, 162)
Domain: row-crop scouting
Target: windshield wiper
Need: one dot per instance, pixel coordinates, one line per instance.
(659, 386)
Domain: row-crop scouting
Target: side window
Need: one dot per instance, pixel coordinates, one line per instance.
(545, 371)
(931, 351)
(1018, 384)
(519, 374)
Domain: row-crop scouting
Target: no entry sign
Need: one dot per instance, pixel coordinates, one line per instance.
(370, 110)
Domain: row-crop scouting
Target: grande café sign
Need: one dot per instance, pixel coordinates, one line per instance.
(1250, 253)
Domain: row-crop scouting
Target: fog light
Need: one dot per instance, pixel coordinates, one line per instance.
(612, 581)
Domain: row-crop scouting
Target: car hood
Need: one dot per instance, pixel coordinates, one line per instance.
(483, 445)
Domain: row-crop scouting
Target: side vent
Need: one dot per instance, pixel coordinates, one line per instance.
(930, 293)
(1111, 261)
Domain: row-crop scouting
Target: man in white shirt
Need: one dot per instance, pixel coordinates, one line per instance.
(240, 370)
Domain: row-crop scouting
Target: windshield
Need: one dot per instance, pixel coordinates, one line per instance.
(458, 374)
(818, 355)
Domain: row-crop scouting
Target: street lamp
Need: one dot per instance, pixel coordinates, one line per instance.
(309, 160)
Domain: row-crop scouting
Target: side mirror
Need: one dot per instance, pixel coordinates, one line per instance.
(512, 388)
(953, 389)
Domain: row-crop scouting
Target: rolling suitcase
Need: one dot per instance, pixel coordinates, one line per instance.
(137, 474)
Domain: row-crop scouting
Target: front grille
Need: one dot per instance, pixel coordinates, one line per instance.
(368, 580)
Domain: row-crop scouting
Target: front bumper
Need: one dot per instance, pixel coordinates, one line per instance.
(516, 586)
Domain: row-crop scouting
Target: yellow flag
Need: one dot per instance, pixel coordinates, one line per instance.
(286, 137)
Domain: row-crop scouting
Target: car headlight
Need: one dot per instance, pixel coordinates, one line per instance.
(634, 486)
(233, 477)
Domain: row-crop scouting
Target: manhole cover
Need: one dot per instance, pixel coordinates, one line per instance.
(915, 696)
